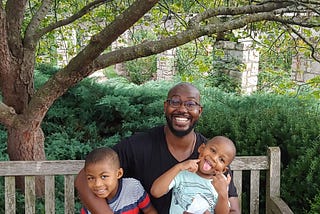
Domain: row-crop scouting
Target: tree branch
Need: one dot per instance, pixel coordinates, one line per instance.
(86, 9)
(307, 41)
(7, 114)
(155, 47)
(233, 11)
(29, 39)
(15, 15)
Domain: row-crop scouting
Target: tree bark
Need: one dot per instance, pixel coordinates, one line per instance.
(27, 145)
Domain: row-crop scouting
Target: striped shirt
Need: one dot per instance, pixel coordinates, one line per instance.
(131, 198)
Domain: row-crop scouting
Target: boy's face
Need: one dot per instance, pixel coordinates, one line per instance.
(102, 178)
(215, 157)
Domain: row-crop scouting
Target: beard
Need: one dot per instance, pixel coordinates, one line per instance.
(179, 133)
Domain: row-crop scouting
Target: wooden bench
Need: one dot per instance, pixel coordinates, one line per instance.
(68, 168)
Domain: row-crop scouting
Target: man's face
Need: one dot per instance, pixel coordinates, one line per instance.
(182, 110)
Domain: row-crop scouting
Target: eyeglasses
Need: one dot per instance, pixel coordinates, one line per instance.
(190, 105)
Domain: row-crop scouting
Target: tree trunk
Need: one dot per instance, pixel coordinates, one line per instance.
(27, 145)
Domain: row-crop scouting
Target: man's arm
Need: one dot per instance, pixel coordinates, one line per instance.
(150, 210)
(234, 205)
(93, 203)
(233, 195)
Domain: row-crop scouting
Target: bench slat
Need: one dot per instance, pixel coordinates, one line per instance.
(254, 191)
(10, 195)
(250, 163)
(62, 167)
(30, 195)
(69, 194)
(49, 194)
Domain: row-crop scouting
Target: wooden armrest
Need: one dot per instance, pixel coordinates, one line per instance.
(277, 205)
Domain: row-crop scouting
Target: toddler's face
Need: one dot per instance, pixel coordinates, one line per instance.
(215, 157)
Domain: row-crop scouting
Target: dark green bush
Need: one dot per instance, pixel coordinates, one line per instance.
(315, 205)
(302, 179)
(3, 144)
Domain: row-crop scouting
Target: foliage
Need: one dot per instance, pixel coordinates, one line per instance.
(126, 102)
(260, 120)
(315, 206)
(194, 59)
(200, 61)
(305, 167)
(99, 114)
(3, 144)
(275, 72)
(71, 124)
(142, 70)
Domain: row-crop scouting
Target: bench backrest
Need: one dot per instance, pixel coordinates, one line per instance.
(69, 168)
(30, 169)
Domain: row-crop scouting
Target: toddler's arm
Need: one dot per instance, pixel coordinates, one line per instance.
(221, 183)
(161, 185)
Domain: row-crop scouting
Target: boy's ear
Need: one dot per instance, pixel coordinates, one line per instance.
(201, 147)
(120, 173)
(225, 169)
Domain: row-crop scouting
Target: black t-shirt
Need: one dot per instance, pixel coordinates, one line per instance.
(145, 156)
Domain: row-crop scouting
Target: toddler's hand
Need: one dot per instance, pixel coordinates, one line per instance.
(221, 182)
(190, 165)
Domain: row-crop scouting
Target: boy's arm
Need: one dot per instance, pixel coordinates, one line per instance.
(221, 183)
(161, 185)
(93, 203)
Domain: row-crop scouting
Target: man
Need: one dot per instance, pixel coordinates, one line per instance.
(145, 156)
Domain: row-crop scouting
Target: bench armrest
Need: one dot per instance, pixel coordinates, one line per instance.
(277, 205)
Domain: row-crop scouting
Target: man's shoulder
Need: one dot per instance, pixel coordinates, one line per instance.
(148, 133)
(200, 139)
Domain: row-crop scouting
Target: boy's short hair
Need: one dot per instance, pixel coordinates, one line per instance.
(102, 154)
(223, 139)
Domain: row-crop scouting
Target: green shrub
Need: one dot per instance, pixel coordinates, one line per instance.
(315, 205)
(301, 186)
(3, 144)
(142, 70)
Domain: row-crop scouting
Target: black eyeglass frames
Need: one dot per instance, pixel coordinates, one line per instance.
(190, 105)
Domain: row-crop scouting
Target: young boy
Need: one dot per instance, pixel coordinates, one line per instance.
(199, 186)
(104, 177)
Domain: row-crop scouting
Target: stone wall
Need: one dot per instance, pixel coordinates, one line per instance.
(166, 65)
(248, 57)
(241, 51)
(304, 68)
